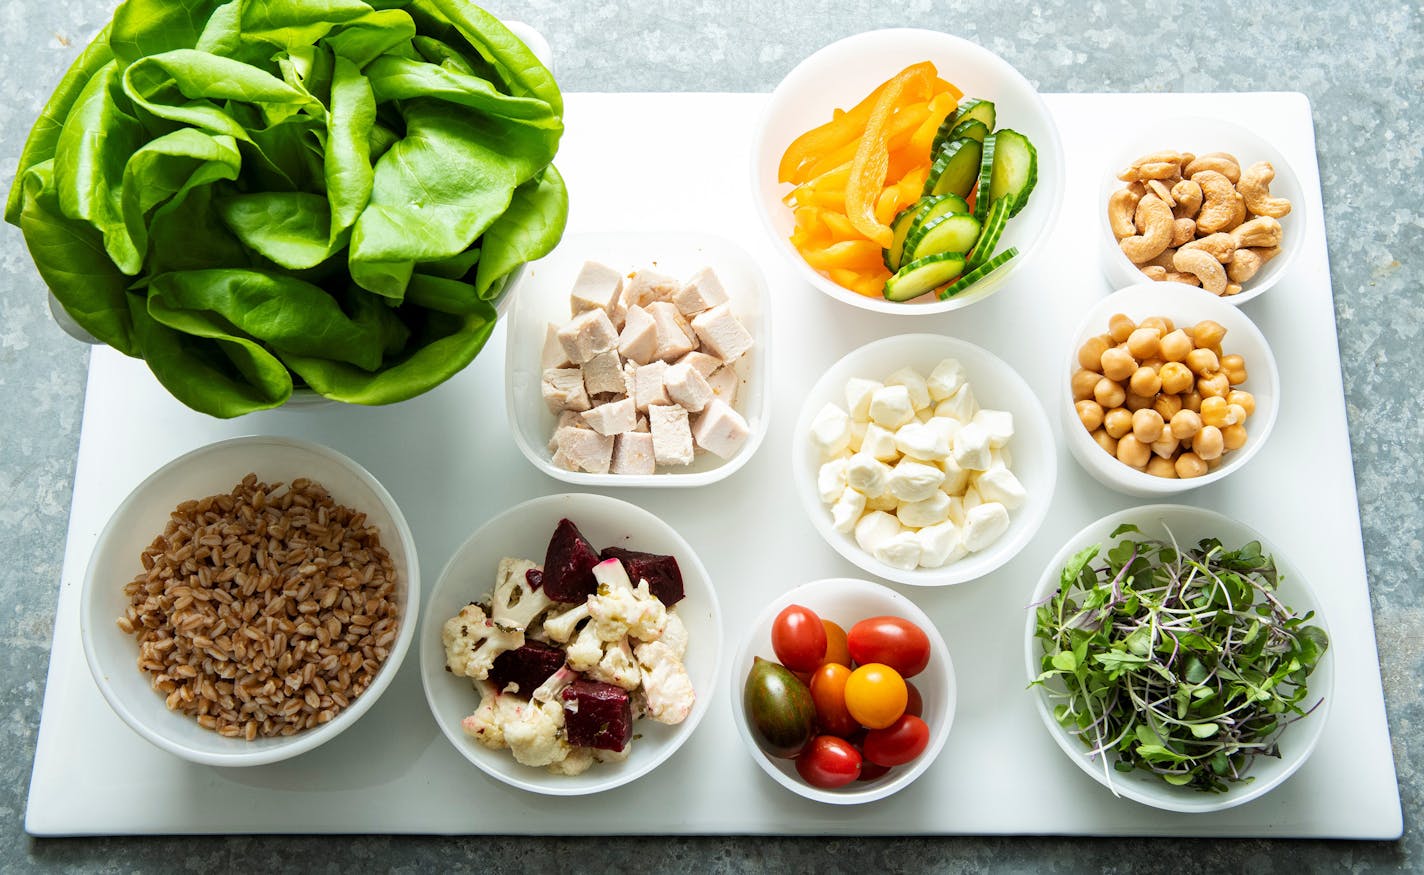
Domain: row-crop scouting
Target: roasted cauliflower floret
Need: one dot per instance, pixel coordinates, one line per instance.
(472, 641)
(667, 689)
(619, 610)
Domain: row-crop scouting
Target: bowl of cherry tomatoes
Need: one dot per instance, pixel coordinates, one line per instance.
(843, 691)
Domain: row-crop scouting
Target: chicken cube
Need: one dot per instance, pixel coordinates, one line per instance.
(612, 418)
(649, 385)
(597, 287)
(604, 373)
(672, 438)
(701, 362)
(639, 339)
(567, 419)
(584, 449)
(686, 386)
(675, 338)
(553, 355)
(563, 389)
(647, 286)
(724, 383)
(633, 453)
(721, 333)
(588, 334)
(702, 292)
(720, 430)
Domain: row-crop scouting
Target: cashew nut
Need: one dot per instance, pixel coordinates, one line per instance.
(1222, 162)
(1121, 207)
(1218, 201)
(1188, 196)
(1238, 212)
(1155, 218)
(1162, 190)
(1247, 262)
(1204, 266)
(1163, 259)
(1186, 278)
(1221, 245)
(1255, 187)
(1157, 165)
(1232, 289)
(1262, 231)
(1154, 272)
(1184, 231)
(1138, 189)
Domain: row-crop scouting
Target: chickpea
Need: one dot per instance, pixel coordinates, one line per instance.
(1160, 467)
(1144, 342)
(1155, 363)
(1213, 464)
(1233, 437)
(1186, 424)
(1136, 402)
(1105, 441)
(1189, 465)
(1234, 367)
(1083, 382)
(1108, 394)
(1215, 411)
(1167, 405)
(1176, 345)
(1166, 446)
(1131, 451)
(1216, 385)
(1118, 364)
(1238, 411)
(1203, 362)
(1146, 425)
(1145, 381)
(1090, 413)
(1120, 326)
(1161, 323)
(1090, 354)
(1207, 334)
(1176, 378)
(1208, 443)
(1192, 401)
(1118, 422)
(1246, 400)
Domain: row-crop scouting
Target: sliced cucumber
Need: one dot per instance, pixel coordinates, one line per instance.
(989, 236)
(923, 275)
(976, 274)
(955, 168)
(1015, 170)
(982, 200)
(969, 109)
(900, 229)
(953, 233)
(970, 130)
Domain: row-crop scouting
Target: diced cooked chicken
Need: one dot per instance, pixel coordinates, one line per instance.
(649, 385)
(720, 430)
(646, 286)
(724, 383)
(672, 437)
(687, 387)
(638, 341)
(567, 419)
(704, 364)
(563, 389)
(675, 337)
(597, 287)
(721, 334)
(702, 292)
(553, 355)
(588, 334)
(585, 450)
(633, 454)
(614, 417)
(604, 373)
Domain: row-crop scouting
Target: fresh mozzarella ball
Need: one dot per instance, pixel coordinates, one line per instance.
(971, 447)
(998, 423)
(955, 477)
(926, 512)
(945, 379)
(1000, 484)
(858, 392)
(847, 511)
(984, 524)
(885, 501)
(940, 544)
(874, 529)
(879, 443)
(831, 480)
(914, 481)
(830, 431)
(914, 383)
(961, 405)
(867, 475)
(857, 434)
(901, 551)
(920, 440)
(890, 407)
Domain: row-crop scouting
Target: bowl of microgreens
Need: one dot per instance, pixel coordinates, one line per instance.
(1179, 659)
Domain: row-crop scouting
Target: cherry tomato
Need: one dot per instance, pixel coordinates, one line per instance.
(898, 743)
(914, 704)
(798, 638)
(837, 650)
(870, 771)
(828, 691)
(829, 762)
(875, 695)
(891, 641)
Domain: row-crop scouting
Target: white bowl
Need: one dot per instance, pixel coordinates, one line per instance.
(543, 297)
(997, 386)
(842, 73)
(524, 530)
(847, 601)
(1199, 136)
(1188, 525)
(1185, 306)
(112, 655)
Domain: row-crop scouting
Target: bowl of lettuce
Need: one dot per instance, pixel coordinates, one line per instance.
(268, 197)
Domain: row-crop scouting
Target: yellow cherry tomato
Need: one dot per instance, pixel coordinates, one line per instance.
(875, 695)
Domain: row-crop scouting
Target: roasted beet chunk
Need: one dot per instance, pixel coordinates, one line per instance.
(568, 566)
(597, 715)
(528, 666)
(661, 572)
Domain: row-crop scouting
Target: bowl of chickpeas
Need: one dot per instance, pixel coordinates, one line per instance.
(1167, 391)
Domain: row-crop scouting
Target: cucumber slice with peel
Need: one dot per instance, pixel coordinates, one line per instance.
(952, 233)
(982, 199)
(955, 169)
(1015, 170)
(970, 130)
(911, 218)
(977, 274)
(923, 275)
(989, 236)
(969, 109)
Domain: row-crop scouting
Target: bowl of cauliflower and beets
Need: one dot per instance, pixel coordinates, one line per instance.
(577, 645)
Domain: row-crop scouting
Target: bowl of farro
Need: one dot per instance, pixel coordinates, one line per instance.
(250, 600)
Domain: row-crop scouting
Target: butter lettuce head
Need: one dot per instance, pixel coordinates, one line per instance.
(260, 195)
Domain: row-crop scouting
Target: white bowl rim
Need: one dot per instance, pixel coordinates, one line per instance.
(551, 786)
(1175, 798)
(1006, 548)
(309, 739)
(1055, 162)
(938, 735)
(1140, 482)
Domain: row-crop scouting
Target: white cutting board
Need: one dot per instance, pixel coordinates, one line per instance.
(450, 462)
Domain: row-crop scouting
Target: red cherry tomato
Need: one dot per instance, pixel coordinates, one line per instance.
(870, 771)
(829, 762)
(898, 743)
(837, 650)
(914, 704)
(891, 641)
(798, 638)
(828, 692)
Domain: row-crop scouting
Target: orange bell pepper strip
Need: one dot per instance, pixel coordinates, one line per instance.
(872, 157)
(847, 254)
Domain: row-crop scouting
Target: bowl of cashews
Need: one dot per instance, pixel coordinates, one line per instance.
(1201, 202)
